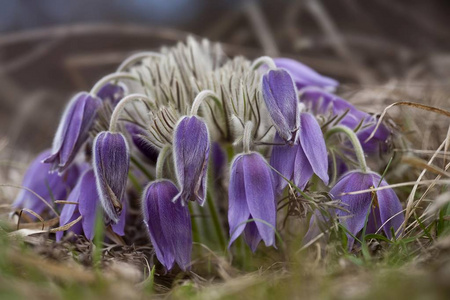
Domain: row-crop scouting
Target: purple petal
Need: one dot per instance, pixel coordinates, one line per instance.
(303, 75)
(238, 212)
(282, 159)
(137, 136)
(70, 213)
(260, 196)
(251, 235)
(88, 203)
(302, 168)
(176, 225)
(191, 151)
(156, 193)
(73, 130)
(280, 96)
(357, 205)
(389, 206)
(111, 165)
(313, 144)
(219, 160)
(112, 93)
(119, 228)
(49, 186)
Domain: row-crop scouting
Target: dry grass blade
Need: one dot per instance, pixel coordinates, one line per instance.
(67, 226)
(406, 103)
(422, 164)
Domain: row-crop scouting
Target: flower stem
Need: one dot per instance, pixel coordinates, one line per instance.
(111, 77)
(136, 58)
(355, 142)
(247, 138)
(120, 106)
(263, 60)
(199, 99)
(216, 221)
(160, 162)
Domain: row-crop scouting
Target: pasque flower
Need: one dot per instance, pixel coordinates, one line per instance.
(111, 162)
(252, 207)
(168, 224)
(88, 205)
(300, 161)
(138, 137)
(73, 130)
(191, 147)
(305, 76)
(112, 93)
(280, 96)
(383, 206)
(47, 185)
(323, 103)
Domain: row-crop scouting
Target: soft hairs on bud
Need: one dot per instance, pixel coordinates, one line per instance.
(280, 96)
(191, 152)
(168, 224)
(251, 195)
(73, 130)
(111, 163)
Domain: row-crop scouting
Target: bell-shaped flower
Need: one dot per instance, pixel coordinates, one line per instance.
(252, 208)
(88, 205)
(383, 206)
(73, 130)
(168, 224)
(280, 96)
(49, 186)
(111, 162)
(191, 147)
(112, 93)
(327, 104)
(306, 157)
(138, 137)
(305, 76)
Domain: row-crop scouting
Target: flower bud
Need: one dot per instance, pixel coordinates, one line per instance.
(111, 163)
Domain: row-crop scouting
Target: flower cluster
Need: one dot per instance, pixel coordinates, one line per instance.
(166, 111)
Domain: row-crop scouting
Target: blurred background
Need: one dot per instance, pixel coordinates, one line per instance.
(51, 49)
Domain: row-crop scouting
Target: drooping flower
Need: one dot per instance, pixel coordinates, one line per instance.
(137, 136)
(383, 206)
(191, 152)
(300, 161)
(112, 93)
(111, 162)
(304, 76)
(85, 194)
(73, 130)
(280, 96)
(322, 103)
(219, 160)
(49, 186)
(251, 195)
(168, 224)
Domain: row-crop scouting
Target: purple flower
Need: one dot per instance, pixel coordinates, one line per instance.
(168, 224)
(49, 186)
(305, 76)
(73, 130)
(112, 93)
(300, 161)
(323, 103)
(385, 208)
(138, 137)
(219, 160)
(280, 96)
(85, 194)
(191, 151)
(111, 163)
(251, 195)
